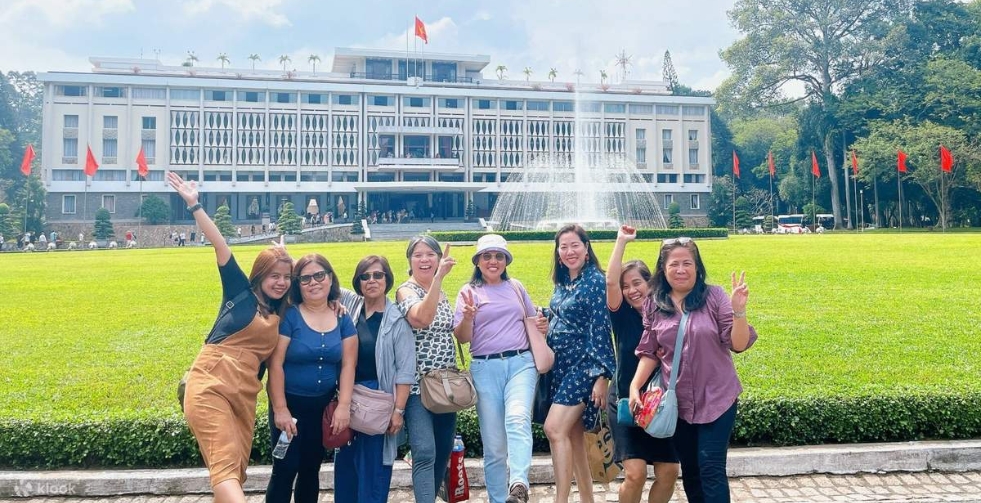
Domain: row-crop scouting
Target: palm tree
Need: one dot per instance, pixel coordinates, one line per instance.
(552, 73)
(501, 70)
(284, 59)
(191, 58)
(314, 59)
(602, 76)
(578, 73)
(527, 71)
(254, 57)
(223, 58)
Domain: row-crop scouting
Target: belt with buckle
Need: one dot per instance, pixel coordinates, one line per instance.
(503, 354)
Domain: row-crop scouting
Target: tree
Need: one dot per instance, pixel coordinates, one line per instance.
(552, 73)
(359, 214)
(191, 59)
(811, 211)
(289, 222)
(154, 210)
(674, 216)
(720, 204)
(223, 59)
(36, 206)
(223, 220)
(283, 60)
(254, 57)
(9, 225)
(744, 217)
(471, 210)
(527, 71)
(603, 76)
(821, 45)
(668, 72)
(501, 71)
(578, 73)
(314, 59)
(103, 226)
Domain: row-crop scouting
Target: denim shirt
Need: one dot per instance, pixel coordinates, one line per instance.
(707, 383)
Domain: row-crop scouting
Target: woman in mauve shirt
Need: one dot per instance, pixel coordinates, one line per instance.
(707, 386)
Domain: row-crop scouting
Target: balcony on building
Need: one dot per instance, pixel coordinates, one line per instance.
(415, 67)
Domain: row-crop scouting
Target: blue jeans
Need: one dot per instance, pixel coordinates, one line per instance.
(360, 474)
(505, 392)
(430, 441)
(702, 450)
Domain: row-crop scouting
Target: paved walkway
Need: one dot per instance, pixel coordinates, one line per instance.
(891, 487)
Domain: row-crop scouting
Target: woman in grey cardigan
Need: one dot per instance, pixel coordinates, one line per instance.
(386, 361)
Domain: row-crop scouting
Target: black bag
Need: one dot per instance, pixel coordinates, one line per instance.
(543, 399)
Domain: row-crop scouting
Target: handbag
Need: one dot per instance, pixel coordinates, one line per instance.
(371, 410)
(544, 356)
(543, 400)
(599, 451)
(332, 441)
(663, 407)
(448, 390)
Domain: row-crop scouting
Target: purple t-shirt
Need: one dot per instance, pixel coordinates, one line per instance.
(707, 384)
(499, 324)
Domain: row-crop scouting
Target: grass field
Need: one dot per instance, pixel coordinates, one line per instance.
(106, 334)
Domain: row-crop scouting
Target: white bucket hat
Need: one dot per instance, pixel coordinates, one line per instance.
(492, 242)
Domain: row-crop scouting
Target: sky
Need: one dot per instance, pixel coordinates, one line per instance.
(60, 35)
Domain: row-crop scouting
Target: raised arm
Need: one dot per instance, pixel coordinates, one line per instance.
(614, 294)
(189, 193)
(421, 314)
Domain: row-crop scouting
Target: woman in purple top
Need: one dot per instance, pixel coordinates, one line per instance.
(489, 315)
(707, 386)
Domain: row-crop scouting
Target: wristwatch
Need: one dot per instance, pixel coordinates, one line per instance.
(400, 412)
(196, 207)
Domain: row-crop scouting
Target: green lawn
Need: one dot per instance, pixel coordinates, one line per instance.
(106, 334)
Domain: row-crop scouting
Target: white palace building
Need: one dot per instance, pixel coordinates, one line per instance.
(426, 133)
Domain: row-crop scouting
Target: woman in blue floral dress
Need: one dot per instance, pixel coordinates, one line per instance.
(579, 333)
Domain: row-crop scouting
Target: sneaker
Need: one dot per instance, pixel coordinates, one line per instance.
(519, 494)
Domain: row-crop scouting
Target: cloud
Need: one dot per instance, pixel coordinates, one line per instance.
(62, 12)
(264, 11)
(443, 35)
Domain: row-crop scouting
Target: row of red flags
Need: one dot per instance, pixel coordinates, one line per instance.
(91, 166)
(946, 162)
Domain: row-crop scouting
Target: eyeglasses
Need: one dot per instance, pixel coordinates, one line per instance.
(676, 241)
(375, 275)
(487, 257)
(317, 276)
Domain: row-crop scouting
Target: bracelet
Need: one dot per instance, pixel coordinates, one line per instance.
(739, 314)
(196, 207)
(399, 411)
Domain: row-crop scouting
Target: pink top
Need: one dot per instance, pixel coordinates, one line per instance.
(707, 384)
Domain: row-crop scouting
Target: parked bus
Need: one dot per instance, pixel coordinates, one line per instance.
(790, 224)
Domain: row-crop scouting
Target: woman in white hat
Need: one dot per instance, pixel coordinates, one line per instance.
(490, 310)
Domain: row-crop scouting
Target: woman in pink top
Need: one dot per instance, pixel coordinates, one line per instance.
(707, 386)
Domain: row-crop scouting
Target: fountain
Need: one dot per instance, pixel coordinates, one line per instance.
(588, 186)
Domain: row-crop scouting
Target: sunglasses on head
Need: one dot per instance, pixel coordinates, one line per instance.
(317, 276)
(676, 241)
(375, 275)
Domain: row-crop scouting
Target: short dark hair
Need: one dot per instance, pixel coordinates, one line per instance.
(363, 266)
(636, 265)
(428, 241)
(661, 289)
(560, 273)
(296, 298)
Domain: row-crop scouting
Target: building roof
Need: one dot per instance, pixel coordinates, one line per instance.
(346, 57)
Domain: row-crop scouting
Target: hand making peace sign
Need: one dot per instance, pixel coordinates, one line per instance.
(740, 293)
(469, 305)
(446, 263)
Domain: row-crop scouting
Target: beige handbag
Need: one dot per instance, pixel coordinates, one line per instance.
(544, 356)
(448, 390)
(371, 410)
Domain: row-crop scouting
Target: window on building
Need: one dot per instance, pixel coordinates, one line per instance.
(381, 101)
(689, 178)
(343, 99)
(449, 103)
(444, 72)
(108, 150)
(109, 202)
(380, 69)
(416, 177)
(149, 123)
(667, 178)
(71, 121)
(538, 106)
(110, 122)
(614, 108)
(641, 155)
(217, 95)
(149, 93)
(415, 69)
(668, 157)
(67, 175)
(641, 133)
(315, 99)
(70, 147)
(185, 95)
(590, 106)
(668, 199)
(71, 90)
(251, 96)
(110, 175)
(381, 177)
(693, 111)
(415, 102)
(563, 106)
(68, 204)
(692, 135)
(149, 150)
(641, 109)
(667, 110)
(696, 201)
(666, 134)
(283, 98)
(486, 104)
(693, 157)
(110, 92)
(513, 105)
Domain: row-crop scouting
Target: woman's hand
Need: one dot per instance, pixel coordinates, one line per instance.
(600, 389)
(342, 418)
(634, 400)
(626, 234)
(187, 190)
(541, 322)
(338, 308)
(397, 422)
(469, 306)
(445, 264)
(740, 293)
(281, 244)
(284, 422)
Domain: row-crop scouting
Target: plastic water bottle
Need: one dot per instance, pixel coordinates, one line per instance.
(458, 444)
(279, 452)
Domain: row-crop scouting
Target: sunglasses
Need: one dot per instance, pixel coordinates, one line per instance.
(317, 276)
(487, 257)
(676, 241)
(375, 275)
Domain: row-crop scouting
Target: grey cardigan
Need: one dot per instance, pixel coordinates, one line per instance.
(395, 357)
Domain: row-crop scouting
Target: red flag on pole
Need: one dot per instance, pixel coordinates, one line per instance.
(770, 164)
(90, 165)
(25, 165)
(946, 159)
(815, 169)
(901, 162)
(854, 163)
(141, 166)
(421, 30)
(735, 164)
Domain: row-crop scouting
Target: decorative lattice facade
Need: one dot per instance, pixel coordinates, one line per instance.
(184, 131)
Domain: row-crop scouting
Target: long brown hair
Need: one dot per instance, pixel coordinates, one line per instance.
(296, 298)
(262, 267)
(560, 273)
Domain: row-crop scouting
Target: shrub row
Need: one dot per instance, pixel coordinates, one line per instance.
(599, 235)
(891, 416)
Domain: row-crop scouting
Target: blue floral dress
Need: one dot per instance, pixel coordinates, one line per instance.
(579, 333)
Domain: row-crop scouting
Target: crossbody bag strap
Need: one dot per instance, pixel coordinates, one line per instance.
(521, 299)
(227, 308)
(678, 344)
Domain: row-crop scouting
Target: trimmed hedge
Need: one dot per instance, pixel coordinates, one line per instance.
(891, 416)
(597, 235)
